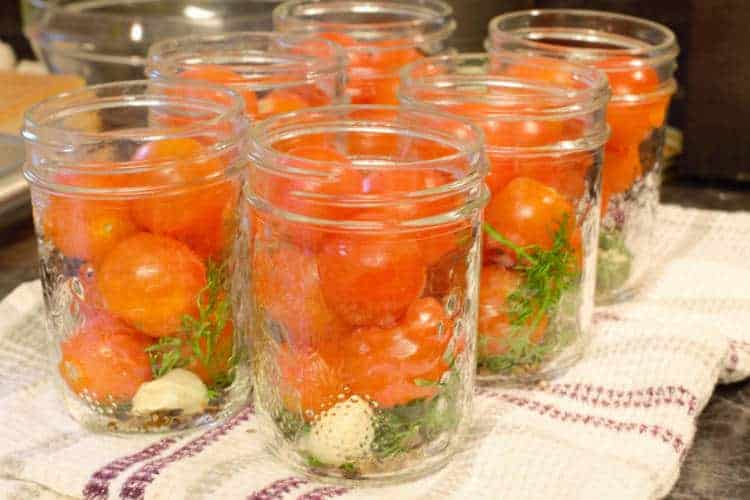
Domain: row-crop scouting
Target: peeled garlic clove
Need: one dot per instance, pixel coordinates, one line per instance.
(343, 433)
(177, 390)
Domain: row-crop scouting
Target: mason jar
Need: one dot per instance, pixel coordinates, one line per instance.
(273, 72)
(379, 36)
(544, 128)
(137, 228)
(364, 263)
(638, 57)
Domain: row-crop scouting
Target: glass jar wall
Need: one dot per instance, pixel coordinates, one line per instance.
(135, 190)
(638, 57)
(364, 262)
(273, 72)
(380, 37)
(543, 123)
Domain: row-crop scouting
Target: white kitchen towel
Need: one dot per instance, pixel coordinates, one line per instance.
(616, 426)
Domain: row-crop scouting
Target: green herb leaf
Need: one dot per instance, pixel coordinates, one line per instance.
(548, 276)
(199, 335)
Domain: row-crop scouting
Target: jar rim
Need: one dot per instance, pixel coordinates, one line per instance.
(167, 57)
(264, 156)
(68, 104)
(648, 52)
(574, 101)
(431, 21)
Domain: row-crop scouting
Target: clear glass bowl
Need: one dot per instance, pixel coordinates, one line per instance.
(107, 40)
(364, 263)
(544, 128)
(135, 189)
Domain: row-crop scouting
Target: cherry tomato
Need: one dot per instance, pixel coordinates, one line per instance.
(565, 173)
(280, 101)
(200, 216)
(370, 279)
(510, 133)
(287, 287)
(528, 212)
(308, 383)
(299, 195)
(223, 76)
(105, 359)
(151, 282)
(434, 243)
(494, 328)
(374, 144)
(622, 167)
(385, 364)
(86, 229)
(540, 70)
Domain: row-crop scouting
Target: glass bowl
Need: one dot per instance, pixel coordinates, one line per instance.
(107, 40)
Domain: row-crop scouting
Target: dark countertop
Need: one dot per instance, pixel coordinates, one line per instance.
(718, 464)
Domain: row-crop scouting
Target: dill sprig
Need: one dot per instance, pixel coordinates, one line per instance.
(199, 334)
(548, 274)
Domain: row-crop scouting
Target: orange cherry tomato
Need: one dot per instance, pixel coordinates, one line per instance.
(370, 279)
(565, 173)
(528, 212)
(333, 176)
(434, 243)
(151, 282)
(622, 167)
(280, 101)
(86, 229)
(286, 287)
(200, 216)
(308, 383)
(385, 364)
(494, 328)
(223, 76)
(510, 133)
(106, 360)
(540, 69)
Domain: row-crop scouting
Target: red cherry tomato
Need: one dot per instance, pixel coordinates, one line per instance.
(151, 282)
(494, 327)
(565, 173)
(280, 101)
(223, 76)
(528, 212)
(500, 132)
(334, 176)
(106, 360)
(308, 383)
(86, 229)
(434, 243)
(370, 279)
(201, 216)
(391, 366)
(286, 287)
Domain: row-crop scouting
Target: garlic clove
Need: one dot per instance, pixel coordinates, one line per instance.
(177, 390)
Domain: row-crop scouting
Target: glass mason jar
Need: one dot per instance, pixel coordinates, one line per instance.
(380, 37)
(364, 262)
(638, 57)
(137, 227)
(273, 72)
(544, 128)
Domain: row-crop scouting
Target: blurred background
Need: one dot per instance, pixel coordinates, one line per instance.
(711, 109)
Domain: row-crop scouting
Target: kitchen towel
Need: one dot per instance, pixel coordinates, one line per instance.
(615, 426)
